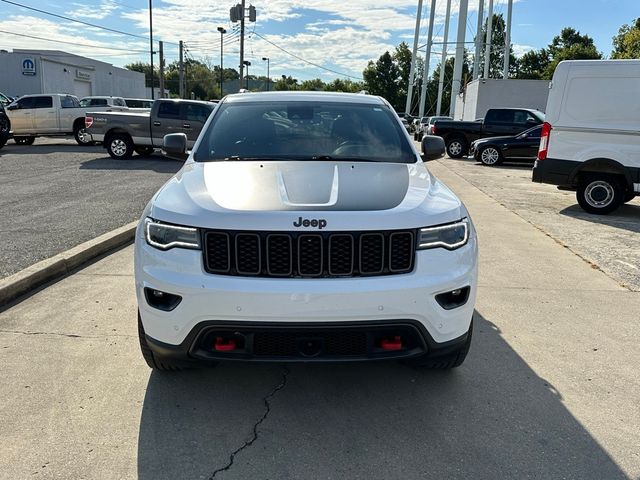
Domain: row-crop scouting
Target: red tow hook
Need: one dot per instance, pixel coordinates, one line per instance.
(395, 344)
(224, 344)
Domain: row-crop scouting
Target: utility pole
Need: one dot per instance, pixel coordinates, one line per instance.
(238, 14)
(487, 47)
(476, 58)
(414, 54)
(181, 70)
(427, 59)
(443, 61)
(268, 78)
(507, 41)
(222, 32)
(151, 44)
(242, 43)
(457, 68)
(161, 55)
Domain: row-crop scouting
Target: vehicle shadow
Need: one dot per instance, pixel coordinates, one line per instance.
(494, 417)
(156, 163)
(47, 148)
(626, 217)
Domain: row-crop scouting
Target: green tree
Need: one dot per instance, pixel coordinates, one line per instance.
(402, 58)
(312, 85)
(146, 69)
(627, 43)
(498, 35)
(381, 78)
(340, 85)
(570, 45)
(532, 65)
(431, 103)
(286, 83)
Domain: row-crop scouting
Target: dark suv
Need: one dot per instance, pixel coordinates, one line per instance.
(5, 126)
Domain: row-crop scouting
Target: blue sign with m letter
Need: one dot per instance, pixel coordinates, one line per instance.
(28, 66)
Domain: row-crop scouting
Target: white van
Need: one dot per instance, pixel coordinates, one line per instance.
(591, 138)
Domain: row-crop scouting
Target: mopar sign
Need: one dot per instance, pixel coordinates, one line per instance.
(28, 66)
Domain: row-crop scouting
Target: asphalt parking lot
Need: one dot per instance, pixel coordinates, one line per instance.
(56, 194)
(549, 390)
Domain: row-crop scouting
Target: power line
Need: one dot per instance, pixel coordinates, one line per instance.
(307, 61)
(72, 43)
(78, 21)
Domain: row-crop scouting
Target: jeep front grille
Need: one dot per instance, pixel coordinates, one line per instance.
(309, 255)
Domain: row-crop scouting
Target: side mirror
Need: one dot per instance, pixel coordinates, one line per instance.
(12, 107)
(174, 145)
(433, 148)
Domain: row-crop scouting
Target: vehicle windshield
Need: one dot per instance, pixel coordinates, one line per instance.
(305, 130)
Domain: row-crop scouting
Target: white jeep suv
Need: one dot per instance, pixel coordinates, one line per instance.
(304, 226)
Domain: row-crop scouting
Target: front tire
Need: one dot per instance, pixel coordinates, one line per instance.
(600, 194)
(490, 156)
(445, 362)
(120, 146)
(457, 147)
(151, 358)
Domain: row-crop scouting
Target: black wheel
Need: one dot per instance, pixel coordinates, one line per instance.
(81, 135)
(629, 196)
(5, 128)
(457, 147)
(444, 362)
(24, 140)
(120, 146)
(490, 156)
(144, 151)
(600, 193)
(151, 358)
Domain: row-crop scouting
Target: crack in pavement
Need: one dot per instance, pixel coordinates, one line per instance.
(69, 335)
(254, 437)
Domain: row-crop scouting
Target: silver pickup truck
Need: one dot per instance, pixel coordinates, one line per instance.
(124, 133)
(49, 115)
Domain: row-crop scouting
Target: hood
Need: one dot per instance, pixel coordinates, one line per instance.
(220, 194)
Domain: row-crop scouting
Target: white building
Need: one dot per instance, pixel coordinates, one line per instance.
(482, 94)
(25, 72)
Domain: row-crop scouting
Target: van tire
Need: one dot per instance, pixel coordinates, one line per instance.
(457, 147)
(120, 146)
(600, 193)
(444, 362)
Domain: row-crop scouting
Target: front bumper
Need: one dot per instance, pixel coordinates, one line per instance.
(248, 304)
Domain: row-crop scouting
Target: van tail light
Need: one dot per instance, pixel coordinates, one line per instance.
(88, 121)
(544, 141)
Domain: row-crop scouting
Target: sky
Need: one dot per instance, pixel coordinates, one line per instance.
(306, 39)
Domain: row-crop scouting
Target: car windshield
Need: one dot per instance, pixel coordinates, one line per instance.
(305, 130)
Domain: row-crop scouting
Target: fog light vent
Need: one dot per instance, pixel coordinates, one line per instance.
(453, 299)
(161, 300)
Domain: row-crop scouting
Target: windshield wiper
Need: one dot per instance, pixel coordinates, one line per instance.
(238, 158)
(342, 159)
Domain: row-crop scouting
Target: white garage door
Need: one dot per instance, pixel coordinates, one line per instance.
(81, 89)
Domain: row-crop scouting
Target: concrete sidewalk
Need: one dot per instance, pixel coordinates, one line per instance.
(550, 388)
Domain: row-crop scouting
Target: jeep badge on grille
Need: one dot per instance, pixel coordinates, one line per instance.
(305, 222)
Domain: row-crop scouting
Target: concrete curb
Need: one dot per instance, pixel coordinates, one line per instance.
(63, 263)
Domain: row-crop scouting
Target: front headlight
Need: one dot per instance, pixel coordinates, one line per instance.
(450, 236)
(164, 236)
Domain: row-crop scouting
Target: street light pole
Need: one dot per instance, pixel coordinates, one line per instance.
(222, 32)
(268, 78)
(151, 44)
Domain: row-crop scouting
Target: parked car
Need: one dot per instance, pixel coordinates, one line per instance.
(590, 140)
(48, 115)
(311, 240)
(117, 104)
(123, 133)
(497, 122)
(519, 148)
(5, 126)
(139, 103)
(406, 124)
(428, 128)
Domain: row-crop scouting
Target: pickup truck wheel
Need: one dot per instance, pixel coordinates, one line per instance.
(24, 140)
(81, 135)
(600, 193)
(444, 362)
(490, 156)
(456, 148)
(120, 146)
(144, 151)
